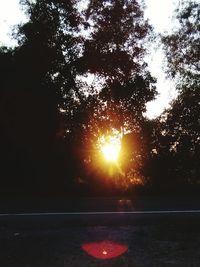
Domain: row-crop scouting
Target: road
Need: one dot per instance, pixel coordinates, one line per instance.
(55, 236)
(24, 205)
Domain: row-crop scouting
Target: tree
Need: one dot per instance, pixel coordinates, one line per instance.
(33, 77)
(182, 46)
(59, 46)
(181, 121)
(113, 52)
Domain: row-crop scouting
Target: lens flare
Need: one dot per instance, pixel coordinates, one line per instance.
(105, 249)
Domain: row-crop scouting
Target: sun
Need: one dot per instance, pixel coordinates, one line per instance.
(111, 151)
(110, 147)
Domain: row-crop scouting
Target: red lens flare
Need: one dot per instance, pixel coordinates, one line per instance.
(104, 249)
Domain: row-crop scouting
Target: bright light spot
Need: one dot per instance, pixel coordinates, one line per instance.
(111, 151)
(105, 249)
(110, 146)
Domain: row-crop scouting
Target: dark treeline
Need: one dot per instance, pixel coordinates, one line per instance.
(51, 115)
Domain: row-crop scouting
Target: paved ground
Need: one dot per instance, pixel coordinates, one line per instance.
(152, 241)
(55, 240)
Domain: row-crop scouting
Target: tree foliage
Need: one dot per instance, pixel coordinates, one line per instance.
(180, 126)
(183, 45)
(114, 51)
(56, 109)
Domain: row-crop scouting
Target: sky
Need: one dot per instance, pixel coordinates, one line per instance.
(160, 15)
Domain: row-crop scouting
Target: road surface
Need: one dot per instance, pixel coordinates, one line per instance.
(55, 236)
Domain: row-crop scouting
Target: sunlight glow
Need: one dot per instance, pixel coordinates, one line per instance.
(111, 151)
(110, 146)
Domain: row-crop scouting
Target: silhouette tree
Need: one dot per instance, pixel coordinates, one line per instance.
(33, 77)
(112, 41)
(113, 53)
(182, 46)
(181, 122)
(57, 112)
